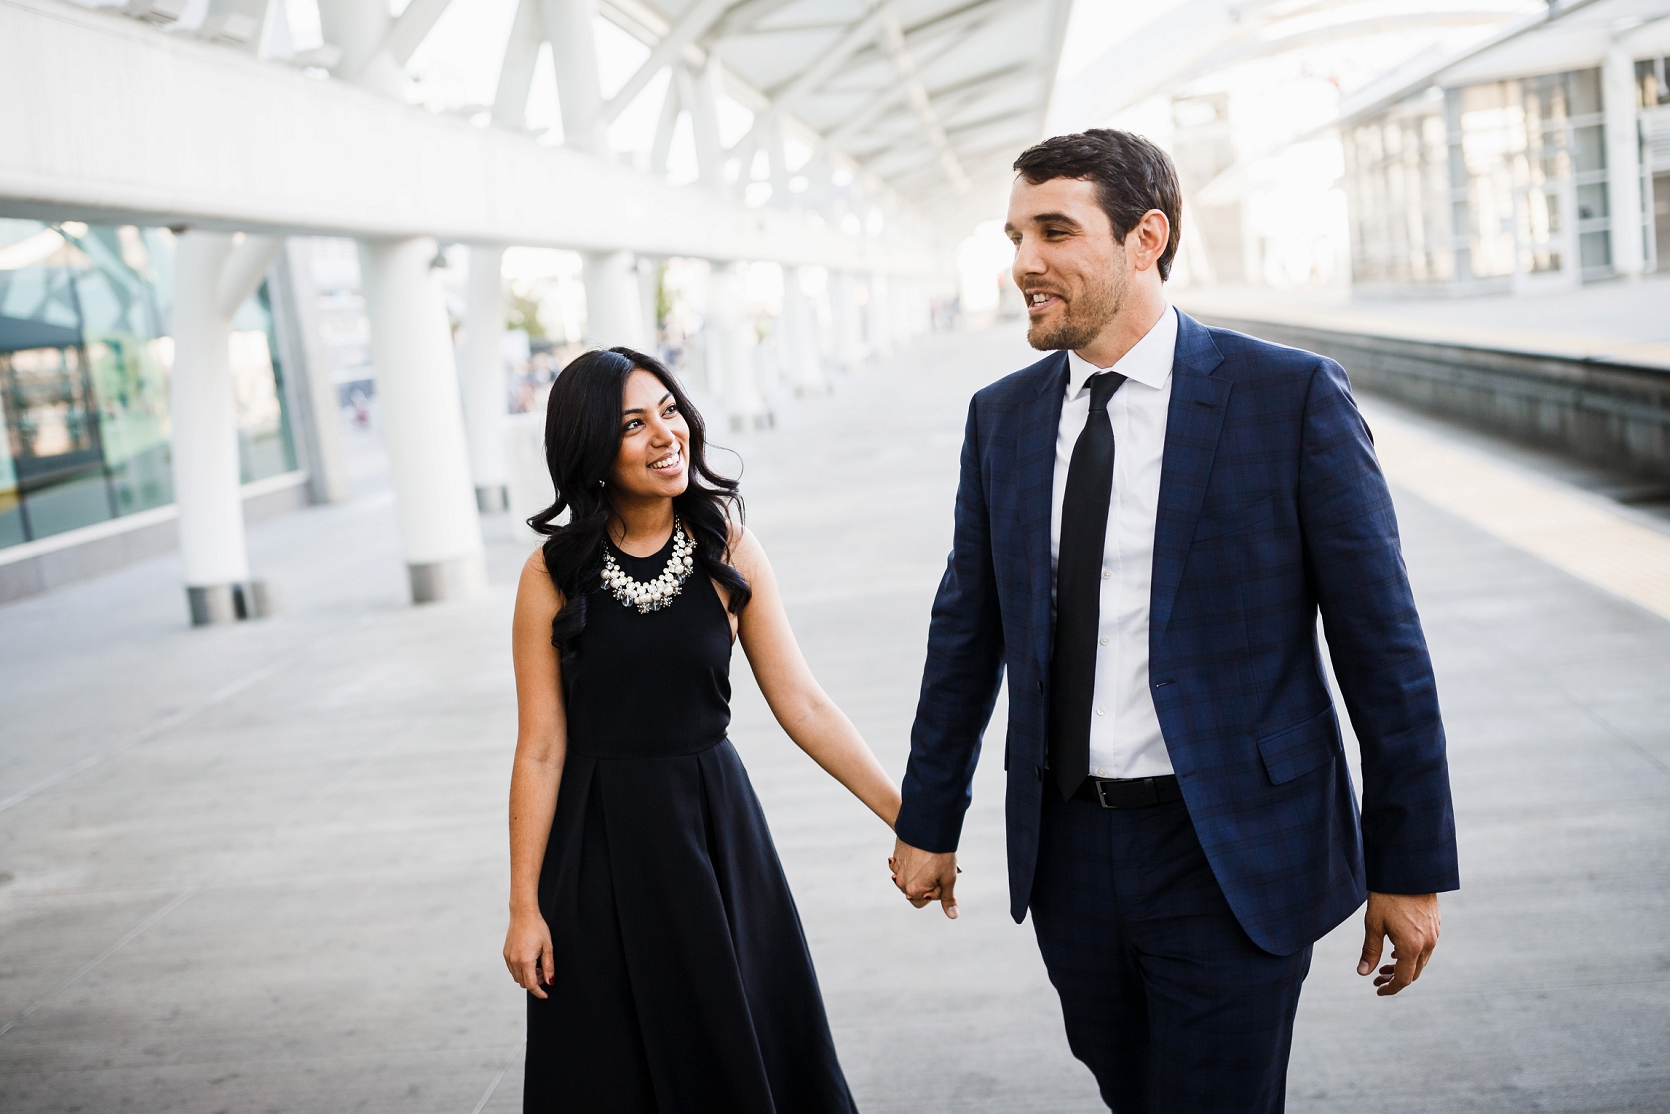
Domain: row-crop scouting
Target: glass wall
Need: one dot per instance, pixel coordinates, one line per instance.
(1484, 186)
(1398, 195)
(85, 357)
(1528, 166)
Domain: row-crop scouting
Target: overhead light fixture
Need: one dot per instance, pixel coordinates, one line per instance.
(229, 27)
(324, 57)
(155, 11)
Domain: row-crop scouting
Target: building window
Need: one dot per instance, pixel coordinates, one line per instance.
(1397, 190)
(1529, 174)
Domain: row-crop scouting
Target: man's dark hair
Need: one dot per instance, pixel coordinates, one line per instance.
(1131, 174)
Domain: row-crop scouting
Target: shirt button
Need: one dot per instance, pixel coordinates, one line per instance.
(1104, 640)
(1106, 575)
(1101, 711)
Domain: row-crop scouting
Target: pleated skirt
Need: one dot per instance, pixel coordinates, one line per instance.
(683, 981)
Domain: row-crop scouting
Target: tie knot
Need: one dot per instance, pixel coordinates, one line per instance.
(1102, 387)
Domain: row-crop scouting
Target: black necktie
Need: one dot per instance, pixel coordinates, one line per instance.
(1078, 588)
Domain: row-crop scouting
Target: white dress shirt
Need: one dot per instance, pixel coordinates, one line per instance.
(1125, 739)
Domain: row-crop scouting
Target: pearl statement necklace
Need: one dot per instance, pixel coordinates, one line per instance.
(659, 592)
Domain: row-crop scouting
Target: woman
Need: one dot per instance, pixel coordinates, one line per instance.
(650, 922)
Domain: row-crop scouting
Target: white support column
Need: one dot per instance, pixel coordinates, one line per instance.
(613, 311)
(485, 383)
(570, 29)
(423, 423)
(844, 312)
(212, 277)
(1623, 162)
(648, 273)
(798, 346)
(737, 340)
(878, 317)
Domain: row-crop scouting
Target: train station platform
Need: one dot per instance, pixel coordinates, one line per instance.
(262, 866)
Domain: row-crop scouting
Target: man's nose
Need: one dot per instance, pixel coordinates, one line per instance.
(1027, 259)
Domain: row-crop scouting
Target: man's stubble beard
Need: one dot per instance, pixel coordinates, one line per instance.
(1082, 319)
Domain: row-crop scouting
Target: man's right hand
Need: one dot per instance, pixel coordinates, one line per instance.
(923, 876)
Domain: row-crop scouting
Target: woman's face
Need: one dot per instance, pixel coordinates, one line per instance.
(654, 437)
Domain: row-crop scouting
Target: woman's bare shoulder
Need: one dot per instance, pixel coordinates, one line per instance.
(535, 584)
(744, 546)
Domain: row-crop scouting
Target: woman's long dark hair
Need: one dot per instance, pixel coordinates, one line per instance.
(582, 440)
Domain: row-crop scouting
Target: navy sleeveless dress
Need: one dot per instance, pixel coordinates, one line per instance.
(683, 982)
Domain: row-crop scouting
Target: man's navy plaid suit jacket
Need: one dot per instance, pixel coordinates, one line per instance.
(1272, 506)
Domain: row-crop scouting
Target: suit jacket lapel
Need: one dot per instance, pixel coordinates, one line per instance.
(1040, 421)
(1193, 421)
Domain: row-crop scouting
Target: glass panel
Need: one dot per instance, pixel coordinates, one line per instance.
(124, 305)
(1585, 92)
(52, 427)
(1591, 202)
(264, 444)
(1588, 148)
(11, 509)
(1595, 249)
(85, 361)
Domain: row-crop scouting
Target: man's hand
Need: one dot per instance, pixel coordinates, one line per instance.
(1411, 920)
(923, 876)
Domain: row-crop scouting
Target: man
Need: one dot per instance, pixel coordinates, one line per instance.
(1148, 522)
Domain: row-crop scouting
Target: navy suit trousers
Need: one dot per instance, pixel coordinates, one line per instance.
(1166, 999)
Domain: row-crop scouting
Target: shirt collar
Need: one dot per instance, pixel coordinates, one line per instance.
(1148, 362)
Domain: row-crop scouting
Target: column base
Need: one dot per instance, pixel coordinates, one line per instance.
(492, 499)
(229, 603)
(456, 579)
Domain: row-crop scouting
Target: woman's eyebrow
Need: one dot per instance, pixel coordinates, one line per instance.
(640, 409)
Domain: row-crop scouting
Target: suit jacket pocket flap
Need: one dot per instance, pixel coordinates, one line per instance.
(1301, 748)
(1214, 523)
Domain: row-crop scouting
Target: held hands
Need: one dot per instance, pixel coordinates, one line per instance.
(527, 952)
(923, 876)
(1411, 920)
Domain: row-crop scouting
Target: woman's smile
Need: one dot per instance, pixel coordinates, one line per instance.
(671, 464)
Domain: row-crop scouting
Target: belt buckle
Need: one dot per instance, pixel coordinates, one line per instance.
(1150, 793)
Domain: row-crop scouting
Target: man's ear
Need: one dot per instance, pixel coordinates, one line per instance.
(1147, 241)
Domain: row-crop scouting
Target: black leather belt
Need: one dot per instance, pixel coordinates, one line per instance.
(1129, 792)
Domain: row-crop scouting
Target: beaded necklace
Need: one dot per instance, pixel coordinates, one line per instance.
(657, 593)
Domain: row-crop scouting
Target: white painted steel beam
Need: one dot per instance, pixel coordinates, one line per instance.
(521, 55)
(893, 37)
(690, 26)
(486, 387)
(129, 124)
(412, 27)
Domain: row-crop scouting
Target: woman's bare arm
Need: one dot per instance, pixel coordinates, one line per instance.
(802, 707)
(541, 745)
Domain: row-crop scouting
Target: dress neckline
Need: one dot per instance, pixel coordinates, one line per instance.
(666, 548)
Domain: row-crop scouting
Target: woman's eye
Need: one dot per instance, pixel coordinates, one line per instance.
(631, 425)
(669, 411)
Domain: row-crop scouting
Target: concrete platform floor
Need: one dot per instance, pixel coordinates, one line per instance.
(262, 868)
